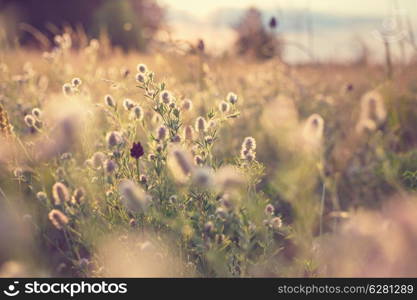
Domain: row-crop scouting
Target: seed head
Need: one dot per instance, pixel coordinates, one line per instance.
(208, 228)
(128, 104)
(142, 68)
(67, 89)
(198, 160)
(76, 82)
(276, 223)
(269, 210)
(183, 162)
(37, 113)
(60, 193)
(187, 105)
(249, 143)
(188, 133)
(109, 101)
(58, 219)
(110, 166)
(161, 133)
(78, 196)
(140, 77)
(200, 125)
(203, 177)
(165, 97)
(172, 199)
(224, 107)
(138, 112)
(98, 159)
(114, 138)
(29, 121)
(232, 98)
(133, 196)
(41, 196)
(143, 179)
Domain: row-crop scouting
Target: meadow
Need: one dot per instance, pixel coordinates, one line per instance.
(176, 164)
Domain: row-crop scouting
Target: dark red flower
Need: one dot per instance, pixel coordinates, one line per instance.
(137, 150)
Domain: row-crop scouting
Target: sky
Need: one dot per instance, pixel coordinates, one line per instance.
(345, 40)
(202, 8)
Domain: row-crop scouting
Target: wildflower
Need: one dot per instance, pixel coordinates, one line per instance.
(41, 196)
(138, 112)
(29, 120)
(76, 82)
(60, 193)
(109, 101)
(224, 107)
(133, 197)
(128, 104)
(67, 89)
(249, 143)
(200, 125)
(276, 223)
(161, 133)
(140, 78)
(113, 139)
(98, 159)
(137, 150)
(269, 210)
(165, 97)
(78, 196)
(172, 105)
(110, 166)
(36, 112)
(142, 68)
(187, 105)
(232, 98)
(58, 219)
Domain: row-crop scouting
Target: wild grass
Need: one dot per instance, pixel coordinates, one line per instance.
(186, 165)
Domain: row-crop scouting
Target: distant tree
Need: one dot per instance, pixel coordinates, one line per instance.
(254, 39)
(129, 23)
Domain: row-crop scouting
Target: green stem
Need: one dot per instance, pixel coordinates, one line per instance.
(137, 169)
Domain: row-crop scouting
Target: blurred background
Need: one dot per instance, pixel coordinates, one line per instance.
(298, 31)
